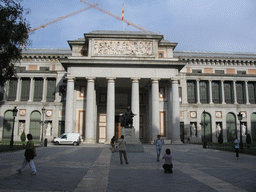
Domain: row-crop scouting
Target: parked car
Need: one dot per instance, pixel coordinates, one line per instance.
(68, 138)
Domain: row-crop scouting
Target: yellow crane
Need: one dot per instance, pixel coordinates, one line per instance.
(62, 17)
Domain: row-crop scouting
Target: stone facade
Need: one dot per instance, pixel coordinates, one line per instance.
(85, 90)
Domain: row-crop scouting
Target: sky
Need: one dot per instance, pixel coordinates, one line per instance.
(196, 25)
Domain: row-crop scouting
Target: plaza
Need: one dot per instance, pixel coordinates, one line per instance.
(94, 168)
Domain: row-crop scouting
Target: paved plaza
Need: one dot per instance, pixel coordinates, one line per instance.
(95, 168)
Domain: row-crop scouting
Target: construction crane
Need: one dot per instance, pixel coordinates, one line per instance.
(113, 15)
(62, 17)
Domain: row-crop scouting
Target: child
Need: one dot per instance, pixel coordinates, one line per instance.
(168, 161)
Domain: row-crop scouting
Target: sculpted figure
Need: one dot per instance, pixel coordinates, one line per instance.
(127, 118)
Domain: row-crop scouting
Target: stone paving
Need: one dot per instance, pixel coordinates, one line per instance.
(95, 168)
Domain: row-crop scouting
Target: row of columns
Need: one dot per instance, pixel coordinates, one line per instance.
(222, 91)
(90, 137)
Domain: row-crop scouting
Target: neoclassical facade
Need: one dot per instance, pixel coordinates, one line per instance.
(87, 88)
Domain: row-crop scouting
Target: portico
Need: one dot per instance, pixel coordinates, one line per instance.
(112, 71)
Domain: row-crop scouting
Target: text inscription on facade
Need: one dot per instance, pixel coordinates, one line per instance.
(138, 48)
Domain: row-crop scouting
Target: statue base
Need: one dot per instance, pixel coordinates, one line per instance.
(129, 135)
(195, 139)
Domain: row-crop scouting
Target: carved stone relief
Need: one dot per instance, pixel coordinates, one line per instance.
(137, 48)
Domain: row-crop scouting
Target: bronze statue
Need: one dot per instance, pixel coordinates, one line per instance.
(128, 115)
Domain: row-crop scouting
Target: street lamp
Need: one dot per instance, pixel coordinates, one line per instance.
(14, 112)
(42, 133)
(240, 117)
(204, 115)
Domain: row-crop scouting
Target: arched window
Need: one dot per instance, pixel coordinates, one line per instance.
(253, 126)
(8, 125)
(35, 119)
(208, 127)
(231, 126)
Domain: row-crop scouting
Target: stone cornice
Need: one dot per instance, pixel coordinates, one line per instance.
(122, 62)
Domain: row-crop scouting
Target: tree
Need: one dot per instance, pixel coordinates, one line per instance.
(23, 136)
(13, 37)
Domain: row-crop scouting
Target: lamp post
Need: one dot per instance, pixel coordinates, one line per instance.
(204, 144)
(240, 117)
(42, 133)
(14, 111)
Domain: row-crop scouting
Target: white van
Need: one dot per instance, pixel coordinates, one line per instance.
(68, 138)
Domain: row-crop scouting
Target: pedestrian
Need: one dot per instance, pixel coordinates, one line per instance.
(29, 155)
(167, 161)
(122, 149)
(236, 147)
(158, 142)
(112, 143)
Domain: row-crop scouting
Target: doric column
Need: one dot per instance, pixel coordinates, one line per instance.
(110, 109)
(234, 88)
(210, 91)
(247, 92)
(223, 92)
(175, 136)
(155, 108)
(31, 89)
(170, 111)
(18, 93)
(90, 132)
(136, 106)
(69, 105)
(44, 89)
(198, 91)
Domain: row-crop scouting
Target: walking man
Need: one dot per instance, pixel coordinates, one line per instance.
(158, 142)
(122, 149)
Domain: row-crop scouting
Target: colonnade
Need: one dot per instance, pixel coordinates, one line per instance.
(90, 137)
(185, 99)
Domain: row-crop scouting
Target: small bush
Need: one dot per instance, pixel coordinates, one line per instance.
(23, 136)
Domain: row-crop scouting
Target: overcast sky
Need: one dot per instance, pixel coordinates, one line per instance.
(196, 25)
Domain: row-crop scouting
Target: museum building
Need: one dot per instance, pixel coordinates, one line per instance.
(181, 95)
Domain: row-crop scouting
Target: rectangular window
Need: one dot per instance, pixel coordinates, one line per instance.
(204, 96)
(25, 88)
(228, 92)
(51, 86)
(251, 92)
(240, 92)
(216, 92)
(38, 92)
(241, 72)
(219, 72)
(191, 89)
(196, 71)
(12, 89)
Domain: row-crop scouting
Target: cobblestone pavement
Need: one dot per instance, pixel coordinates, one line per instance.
(95, 168)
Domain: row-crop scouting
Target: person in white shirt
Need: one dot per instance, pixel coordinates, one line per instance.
(158, 142)
(122, 149)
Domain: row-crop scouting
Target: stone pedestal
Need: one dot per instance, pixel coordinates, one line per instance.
(195, 139)
(129, 135)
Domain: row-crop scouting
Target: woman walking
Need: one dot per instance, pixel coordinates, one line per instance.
(29, 155)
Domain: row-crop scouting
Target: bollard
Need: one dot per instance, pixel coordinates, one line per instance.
(45, 142)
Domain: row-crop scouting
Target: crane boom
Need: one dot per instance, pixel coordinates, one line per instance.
(113, 15)
(62, 17)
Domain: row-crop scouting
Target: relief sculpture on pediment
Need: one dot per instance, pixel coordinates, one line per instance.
(137, 48)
